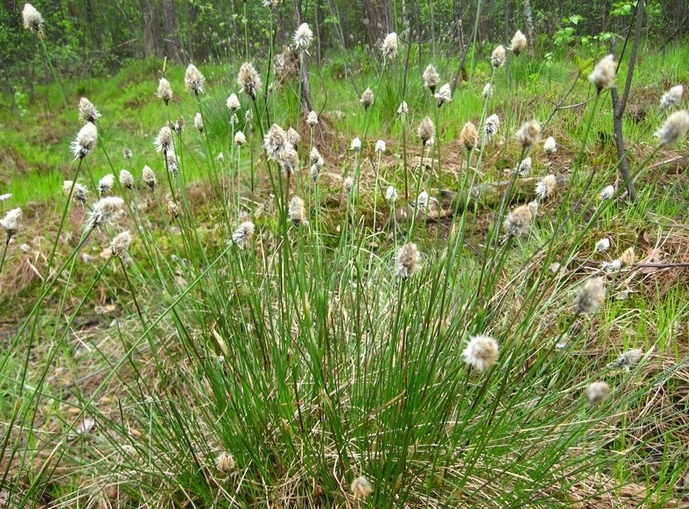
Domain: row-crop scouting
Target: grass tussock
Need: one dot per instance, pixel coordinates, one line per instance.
(412, 316)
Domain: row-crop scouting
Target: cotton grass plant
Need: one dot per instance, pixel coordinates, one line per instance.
(279, 357)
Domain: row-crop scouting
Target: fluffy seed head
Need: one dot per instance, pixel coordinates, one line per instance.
(193, 80)
(163, 142)
(426, 130)
(591, 296)
(85, 141)
(497, 58)
(529, 133)
(120, 244)
(469, 136)
(126, 179)
(105, 184)
(481, 352)
(367, 98)
(178, 125)
(487, 91)
(347, 185)
(275, 142)
(403, 108)
(303, 37)
(164, 90)
(198, 122)
(249, 80)
(430, 78)
(492, 125)
(312, 119)
(78, 193)
(10, 223)
(610, 267)
(242, 234)
(127, 153)
(356, 145)
(444, 95)
(672, 98)
(518, 42)
(380, 146)
(603, 75)
(361, 488)
(524, 167)
(104, 211)
(289, 160)
(239, 138)
(224, 462)
(33, 20)
(171, 161)
(5, 197)
(87, 111)
(597, 392)
(546, 187)
(607, 193)
(389, 46)
(518, 222)
(149, 178)
(407, 260)
(674, 128)
(627, 359)
(550, 146)
(293, 136)
(173, 209)
(602, 245)
(296, 211)
(391, 194)
(315, 156)
(422, 201)
(233, 102)
(628, 258)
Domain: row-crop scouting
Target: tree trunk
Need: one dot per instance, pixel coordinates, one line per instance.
(619, 104)
(171, 37)
(152, 46)
(530, 31)
(306, 102)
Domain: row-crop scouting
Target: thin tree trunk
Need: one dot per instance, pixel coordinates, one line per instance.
(619, 105)
(530, 31)
(306, 102)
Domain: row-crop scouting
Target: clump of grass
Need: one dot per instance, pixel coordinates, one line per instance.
(273, 350)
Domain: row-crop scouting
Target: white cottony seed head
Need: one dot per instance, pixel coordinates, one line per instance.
(497, 58)
(164, 90)
(672, 98)
(120, 244)
(597, 392)
(674, 128)
(312, 119)
(603, 75)
(602, 245)
(389, 46)
(233, 102)
(550, 146)
(380, 146)
(607, 193)
(356, 145)
(481, 352)
(407, 260)
(194, 80)
(518, 42)
(85, 141)
(10, 223)
(590, 296)
(303, 37)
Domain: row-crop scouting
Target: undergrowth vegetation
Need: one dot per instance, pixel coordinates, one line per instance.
(403, 298)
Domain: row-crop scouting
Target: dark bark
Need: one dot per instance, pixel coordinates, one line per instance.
(306, 102)
(171, 38)
(620, 104)
(530, 31)
(152, 46)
